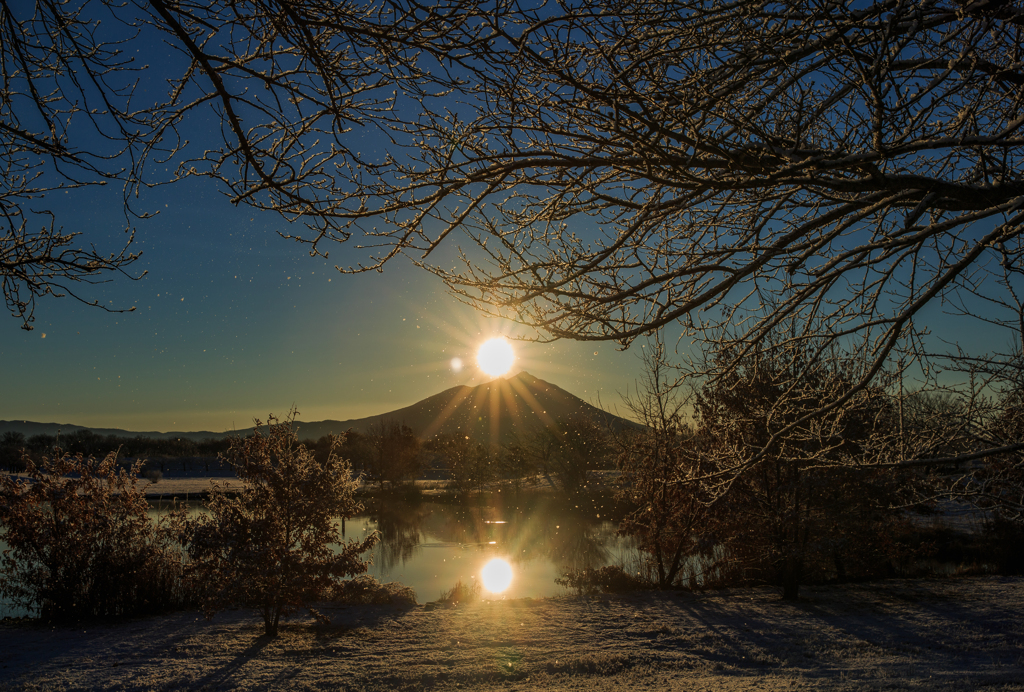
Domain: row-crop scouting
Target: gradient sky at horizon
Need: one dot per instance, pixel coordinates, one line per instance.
(234, 322)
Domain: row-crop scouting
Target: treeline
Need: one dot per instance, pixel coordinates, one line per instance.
(15, 447)
(386, 455)
(389, 454)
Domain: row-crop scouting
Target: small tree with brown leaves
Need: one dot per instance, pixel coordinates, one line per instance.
(277, 545)
(81, 544)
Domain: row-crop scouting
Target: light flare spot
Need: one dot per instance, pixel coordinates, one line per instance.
(496, 575)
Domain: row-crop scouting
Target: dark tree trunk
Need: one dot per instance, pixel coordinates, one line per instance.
(791, 579)
(793, 566)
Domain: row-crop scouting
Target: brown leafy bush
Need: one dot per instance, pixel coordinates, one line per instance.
(365, 590)
(276, 546)
(81, 545)
(610, 579)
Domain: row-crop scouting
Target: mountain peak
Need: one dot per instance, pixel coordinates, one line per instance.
(496, 412)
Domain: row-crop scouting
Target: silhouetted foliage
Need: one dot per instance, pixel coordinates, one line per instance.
(81, 545)
(394, 453)
(998, 486)
(13, 448)
(783, 470)
(470, 464)
(188, 455)
(610, 579)
(672, 520)
(355, 447)
(1005, 539)
(277, 545)
(516, 465)
(569, 451)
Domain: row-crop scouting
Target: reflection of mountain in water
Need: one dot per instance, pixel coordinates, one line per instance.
(537, 527)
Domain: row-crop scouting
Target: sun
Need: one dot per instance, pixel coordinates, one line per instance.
(495, 357)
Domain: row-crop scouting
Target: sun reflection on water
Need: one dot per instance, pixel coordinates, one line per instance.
(496, 575)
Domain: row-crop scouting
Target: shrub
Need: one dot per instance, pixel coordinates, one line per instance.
(460, 593)
(276, 546)
(610, 579)
(365, 590)
(81, 544)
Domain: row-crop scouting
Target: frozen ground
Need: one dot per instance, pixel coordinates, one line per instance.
(958, 634)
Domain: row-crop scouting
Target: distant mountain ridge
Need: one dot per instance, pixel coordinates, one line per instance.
(29, 428)
(495, 412)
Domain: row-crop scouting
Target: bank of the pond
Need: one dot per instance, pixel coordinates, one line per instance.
(195, 488)
(198, 486)
(957, 634)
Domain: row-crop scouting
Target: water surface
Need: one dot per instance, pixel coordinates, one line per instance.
(430, 545)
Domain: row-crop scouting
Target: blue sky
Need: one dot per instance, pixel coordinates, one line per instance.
(232, 321)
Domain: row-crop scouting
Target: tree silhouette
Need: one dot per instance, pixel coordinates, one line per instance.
(672, 520)
(791, 488)
(394, 453)
(469, 463)
(277, 546)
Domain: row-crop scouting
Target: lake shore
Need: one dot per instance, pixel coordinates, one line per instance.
(198, 487)
(953, 634)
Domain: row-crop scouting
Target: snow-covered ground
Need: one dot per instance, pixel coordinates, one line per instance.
(957, 634)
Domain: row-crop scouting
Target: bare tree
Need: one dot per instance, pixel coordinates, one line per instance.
(724, 168)
(672, 520)
(287, 81)
(67, 121)
(620, 165)
(395, 453)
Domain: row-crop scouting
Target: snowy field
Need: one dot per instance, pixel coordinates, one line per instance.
(957, 634)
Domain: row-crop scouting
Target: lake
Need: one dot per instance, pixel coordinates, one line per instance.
(430, 545)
